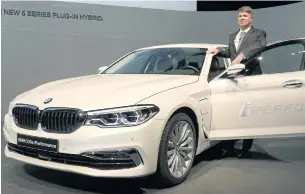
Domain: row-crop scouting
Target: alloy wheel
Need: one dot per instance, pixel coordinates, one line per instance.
(180, 149)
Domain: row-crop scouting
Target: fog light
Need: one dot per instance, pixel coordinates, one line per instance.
(119, 155)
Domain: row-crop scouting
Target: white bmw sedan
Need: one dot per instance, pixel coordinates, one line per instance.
(153, 110)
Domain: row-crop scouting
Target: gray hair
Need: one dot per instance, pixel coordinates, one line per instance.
(246, 9)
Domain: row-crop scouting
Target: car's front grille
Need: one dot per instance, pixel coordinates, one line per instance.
(53, 120)
(62, 120)
(106, 162)
(26, 116)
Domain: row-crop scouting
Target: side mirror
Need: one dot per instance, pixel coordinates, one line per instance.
(101, 69)
(233, 70)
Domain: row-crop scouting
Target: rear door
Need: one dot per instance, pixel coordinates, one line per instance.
(267, 104)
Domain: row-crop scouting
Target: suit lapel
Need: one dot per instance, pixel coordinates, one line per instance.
(247, 35)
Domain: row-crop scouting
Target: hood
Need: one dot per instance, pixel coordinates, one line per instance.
(102, 91)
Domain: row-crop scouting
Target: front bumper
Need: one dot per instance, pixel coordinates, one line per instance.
(115, 152)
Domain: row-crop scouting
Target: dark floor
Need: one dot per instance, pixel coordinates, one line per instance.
(278, 166)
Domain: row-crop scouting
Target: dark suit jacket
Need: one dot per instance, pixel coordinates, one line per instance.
(253, 40)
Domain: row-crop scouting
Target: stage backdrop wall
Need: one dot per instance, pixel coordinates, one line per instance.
(46, 41)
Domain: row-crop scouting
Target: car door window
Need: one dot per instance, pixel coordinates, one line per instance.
(216, 68)
(280, 59)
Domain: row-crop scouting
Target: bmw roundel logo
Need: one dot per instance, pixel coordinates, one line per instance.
(48, 100)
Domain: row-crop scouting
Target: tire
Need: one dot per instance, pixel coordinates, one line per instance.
(163, 176)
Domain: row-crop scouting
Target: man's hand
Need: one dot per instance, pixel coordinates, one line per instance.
(238, 59)
(213, 51)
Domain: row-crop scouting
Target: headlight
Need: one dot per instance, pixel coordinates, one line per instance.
(122, 117)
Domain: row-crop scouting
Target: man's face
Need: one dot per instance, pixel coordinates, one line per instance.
(244, 19)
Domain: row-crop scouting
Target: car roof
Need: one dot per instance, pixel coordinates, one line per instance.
(185, 45)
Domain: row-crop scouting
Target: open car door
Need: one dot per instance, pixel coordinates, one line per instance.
(265, 101)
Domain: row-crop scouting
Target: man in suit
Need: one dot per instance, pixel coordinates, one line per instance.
(243, 44)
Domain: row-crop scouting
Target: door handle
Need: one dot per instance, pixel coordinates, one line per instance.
(293, 84)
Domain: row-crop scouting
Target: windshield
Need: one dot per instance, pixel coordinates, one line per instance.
(176, 61)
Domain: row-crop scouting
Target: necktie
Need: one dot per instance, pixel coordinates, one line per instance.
(242, 34)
